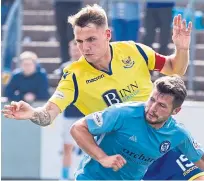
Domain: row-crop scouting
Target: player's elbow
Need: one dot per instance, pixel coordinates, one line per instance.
(75, 130)
(172, 67)
(78, 130)
(180, 72)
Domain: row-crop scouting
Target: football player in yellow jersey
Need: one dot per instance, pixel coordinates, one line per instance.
(107, 73)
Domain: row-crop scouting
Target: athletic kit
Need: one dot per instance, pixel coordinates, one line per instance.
(128, 79)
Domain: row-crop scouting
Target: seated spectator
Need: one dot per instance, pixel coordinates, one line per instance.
(74, 54)
(29, 82)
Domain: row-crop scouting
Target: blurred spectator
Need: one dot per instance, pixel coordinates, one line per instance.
(71, 114)
(158, 15)
(125, 19)
(29, 82)
(74, 55)
(63, 9)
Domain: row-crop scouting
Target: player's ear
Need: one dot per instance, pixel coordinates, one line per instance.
(176, 110)
(108, 34)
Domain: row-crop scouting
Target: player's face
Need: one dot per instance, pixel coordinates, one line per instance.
(92, 41)
(159, 107)
(28, 66)
(74, 51)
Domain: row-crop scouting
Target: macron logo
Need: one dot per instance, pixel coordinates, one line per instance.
(95, 79)
(133, 138)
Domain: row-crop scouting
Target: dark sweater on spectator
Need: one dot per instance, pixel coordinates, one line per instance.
(20, 84)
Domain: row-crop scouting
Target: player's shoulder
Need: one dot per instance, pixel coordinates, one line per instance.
(130, 108)
(132, 46)
(76, 68)
(123, 44)
(180, 128)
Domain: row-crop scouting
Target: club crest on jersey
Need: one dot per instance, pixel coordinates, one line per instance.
(98, 119)
(128, 62)
(165, 146)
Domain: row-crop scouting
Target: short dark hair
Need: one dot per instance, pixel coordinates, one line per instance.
(90, 14)
(174, 86)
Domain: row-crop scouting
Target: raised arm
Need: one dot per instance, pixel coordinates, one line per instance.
(178, 62)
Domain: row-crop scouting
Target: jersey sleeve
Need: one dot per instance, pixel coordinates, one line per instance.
(155, 61)
(66, 92)
(191, 148)
(104, 121)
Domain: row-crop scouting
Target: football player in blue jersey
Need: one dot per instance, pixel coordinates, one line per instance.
(129, 137)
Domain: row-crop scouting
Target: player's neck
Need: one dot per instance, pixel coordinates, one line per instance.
(157, 126)
(104, 62)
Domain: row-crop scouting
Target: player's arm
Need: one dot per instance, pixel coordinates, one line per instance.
(85, 139)
(21, 110)
(174, 64)
(178, 62)
(43, 116)
(193, 150)
(200, 163)
(99, 123)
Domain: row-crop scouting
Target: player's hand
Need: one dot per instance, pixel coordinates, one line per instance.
(116, 162)
(181, 33)
(18, 110)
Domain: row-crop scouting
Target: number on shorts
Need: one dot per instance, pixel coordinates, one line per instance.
(184, 163)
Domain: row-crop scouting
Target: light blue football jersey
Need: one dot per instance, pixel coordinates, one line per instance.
(122, 129)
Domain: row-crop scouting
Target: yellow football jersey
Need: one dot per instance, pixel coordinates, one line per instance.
(92, 90)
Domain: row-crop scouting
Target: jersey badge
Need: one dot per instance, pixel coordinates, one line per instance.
(165, 146)
(128, 63)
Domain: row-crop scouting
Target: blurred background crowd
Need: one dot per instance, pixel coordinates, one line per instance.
(37, 42)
